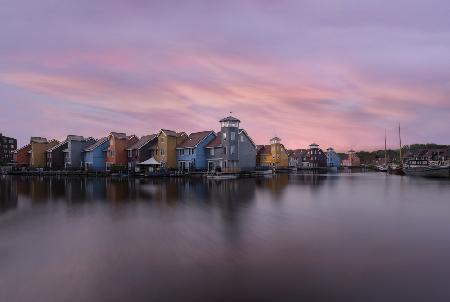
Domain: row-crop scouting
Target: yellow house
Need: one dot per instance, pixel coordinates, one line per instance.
(39, 147)
(166, 153)
(274, 155)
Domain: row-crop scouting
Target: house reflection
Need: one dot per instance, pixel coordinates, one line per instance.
(8, 194)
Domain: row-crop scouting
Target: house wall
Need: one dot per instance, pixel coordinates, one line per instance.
(200, 153)
(96, 158)
(22, 157)
(247, 153)
(167, 153)
(118, 146)
(333, 159)
(56, 160)
(38, 155)
(76, 149)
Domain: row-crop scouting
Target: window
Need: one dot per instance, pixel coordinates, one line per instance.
(224, 150)
(224, 135)
(233, 136)
(163, 152)
(232, 149)
(242, 138)
(212, 151)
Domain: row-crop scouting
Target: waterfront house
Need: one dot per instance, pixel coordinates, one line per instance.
(315, 157)
(8, 147)
(297, 158)
(73, 155)
(55, 156)
(274, 155)
(22, 156)
(116, 155)
(232, 150)
(142, 150)
(94, 157)
(39, 147)
(168, 141)
(333, 159)
(191, 153)
(352, 160)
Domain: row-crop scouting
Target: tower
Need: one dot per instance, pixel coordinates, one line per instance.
(229, 127)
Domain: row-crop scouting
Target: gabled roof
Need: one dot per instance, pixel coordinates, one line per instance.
(57, 146)
(36, 139)
(215, 143)
(142, 142)
(24, 147)
(96, 144)
(248, 136)
(297, 153)
(230, 119)
(119, 135)
(194, 139)
(263, 150)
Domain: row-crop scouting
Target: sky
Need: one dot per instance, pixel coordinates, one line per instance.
(337, 73)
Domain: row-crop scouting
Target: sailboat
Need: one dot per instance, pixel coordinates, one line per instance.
(384, 168)
(393, 168)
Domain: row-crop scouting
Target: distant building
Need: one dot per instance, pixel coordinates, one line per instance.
(116, 156)
(232, 150)
(141, 151)
(55, 156)
(297, 158)
(94, 157)
(273, 155)
(333, 159)
(168, 141)
(73, 155)
(315, 157)
(192, 152)
(39, 147)
(352, 160)
(8, 147)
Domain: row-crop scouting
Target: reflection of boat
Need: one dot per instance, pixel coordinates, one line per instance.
(428, 171)
(222, 176)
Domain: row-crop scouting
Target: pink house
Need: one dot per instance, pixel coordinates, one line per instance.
(352, 160)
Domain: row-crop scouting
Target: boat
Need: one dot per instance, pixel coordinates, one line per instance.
(393, 168)
(428, 171)
(221, 176)
(381, 168)
(263, 172)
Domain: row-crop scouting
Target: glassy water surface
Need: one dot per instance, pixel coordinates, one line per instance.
(345, 237)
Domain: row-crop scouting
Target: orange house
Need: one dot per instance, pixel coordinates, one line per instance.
(116, 154)
(22, 156)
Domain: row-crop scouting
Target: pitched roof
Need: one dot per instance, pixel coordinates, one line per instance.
(118, 134)
(96, 144)
(217, 142)
(297, 153)
(194, 139)
(56, 146)
(263, 149)
(248, 136)
(142, 142)
(230, 119)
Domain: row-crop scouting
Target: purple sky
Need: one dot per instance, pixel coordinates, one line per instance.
(332, 72)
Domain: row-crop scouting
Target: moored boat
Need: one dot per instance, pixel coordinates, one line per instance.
(428, 171)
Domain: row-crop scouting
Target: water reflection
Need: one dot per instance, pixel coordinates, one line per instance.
(291, 237)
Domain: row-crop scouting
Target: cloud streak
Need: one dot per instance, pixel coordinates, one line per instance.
(338, 75)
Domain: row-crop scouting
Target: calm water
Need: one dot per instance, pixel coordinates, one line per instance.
(348, 237)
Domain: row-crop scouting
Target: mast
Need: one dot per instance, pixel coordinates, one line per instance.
(385, 149)
(400, 141)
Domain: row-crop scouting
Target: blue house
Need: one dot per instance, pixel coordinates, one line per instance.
(73, 155)
(95, 155)
(191, 153)
(333, 159)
